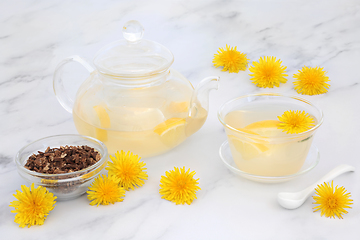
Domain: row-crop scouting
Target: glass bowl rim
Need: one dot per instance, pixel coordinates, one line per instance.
(63, 176)
(291, 136)
(284, 177)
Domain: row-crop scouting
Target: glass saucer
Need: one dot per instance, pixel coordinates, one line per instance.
(311, 161)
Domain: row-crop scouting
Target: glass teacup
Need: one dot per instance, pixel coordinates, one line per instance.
(258, 146)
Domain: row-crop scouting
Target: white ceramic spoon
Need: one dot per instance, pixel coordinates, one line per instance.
(292, 200)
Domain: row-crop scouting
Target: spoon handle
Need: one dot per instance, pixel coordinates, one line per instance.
(343, 168)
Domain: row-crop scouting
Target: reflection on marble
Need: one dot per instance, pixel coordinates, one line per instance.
(36, 35)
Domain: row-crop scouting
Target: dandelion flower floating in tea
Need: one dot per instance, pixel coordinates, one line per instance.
(230, 59)
(311, 81)
(33, 205)
(128, 169)
(105, 190)
(179, 186)
(295, 121)
(268, 72)
(331, 203)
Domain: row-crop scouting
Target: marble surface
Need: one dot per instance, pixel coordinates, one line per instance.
(36, 35)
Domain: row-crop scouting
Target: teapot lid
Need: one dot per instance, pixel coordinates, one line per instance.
(133, 56)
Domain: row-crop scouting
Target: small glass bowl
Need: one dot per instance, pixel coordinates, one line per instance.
(311, 161)
(65, 186)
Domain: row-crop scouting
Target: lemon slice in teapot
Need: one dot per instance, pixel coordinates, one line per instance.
(104, 120)
(179, 107)
(172, 131)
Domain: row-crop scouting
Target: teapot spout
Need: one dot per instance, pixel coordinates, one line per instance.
(199, 104)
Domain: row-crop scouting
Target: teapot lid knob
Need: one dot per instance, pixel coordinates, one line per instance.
(133, 31)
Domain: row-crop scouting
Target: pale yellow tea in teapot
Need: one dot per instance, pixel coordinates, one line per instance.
(144, 125)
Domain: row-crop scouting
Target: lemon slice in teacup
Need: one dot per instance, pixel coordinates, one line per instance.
(253, 148)
(247, 149)
(265, 128)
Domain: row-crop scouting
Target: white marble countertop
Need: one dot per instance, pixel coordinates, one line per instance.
(36, 35)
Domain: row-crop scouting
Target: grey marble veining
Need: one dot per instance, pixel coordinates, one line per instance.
(36, 35)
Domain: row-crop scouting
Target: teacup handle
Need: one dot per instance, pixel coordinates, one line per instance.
(62, 96)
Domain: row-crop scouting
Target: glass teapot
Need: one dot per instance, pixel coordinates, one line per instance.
(133, 100)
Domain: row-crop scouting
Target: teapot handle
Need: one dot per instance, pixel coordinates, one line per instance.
(60, 93)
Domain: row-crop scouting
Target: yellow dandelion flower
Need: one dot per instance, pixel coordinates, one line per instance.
(295, 121)
(105, 190)
(128, 169)
(179, 186)
(230, 59)
(268, 72)
(311, 81)
(33, 205)
(331, 203)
